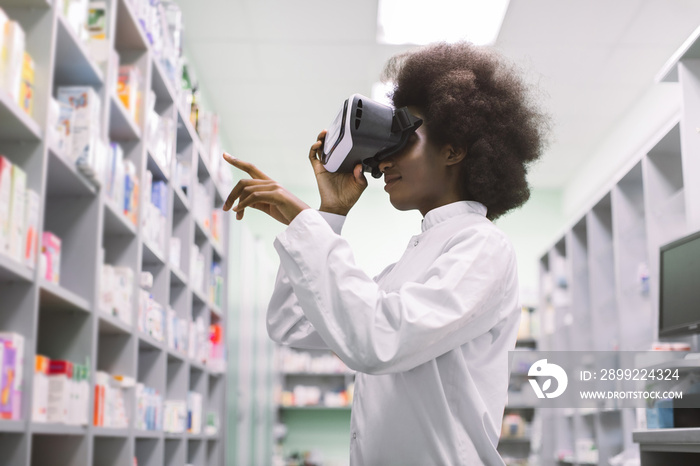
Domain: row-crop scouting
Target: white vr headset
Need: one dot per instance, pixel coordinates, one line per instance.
(366, 132)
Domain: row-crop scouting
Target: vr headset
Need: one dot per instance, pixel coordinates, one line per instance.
(366, 132)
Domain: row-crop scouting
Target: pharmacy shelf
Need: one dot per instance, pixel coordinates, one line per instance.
(112, 325)
(12, 426)
(57, 429)
(65, 320)
(116, 222)
(654, 200)
(177, 277)
(16, 124)
(680, 436)
(161, 85)
(153, 434)
(66, 180)
(122, 127)
(318, 374)
(30, 3)
(683, 365)
(56, 298)
(315, 408)
(147, 341)
(11, 270)
(159, 173)
(73, 63)
(110, 432)
(130, 35)
(151, 254)
(182, 204)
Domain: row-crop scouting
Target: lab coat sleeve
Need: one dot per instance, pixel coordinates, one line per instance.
(376, 331)
(286, 323)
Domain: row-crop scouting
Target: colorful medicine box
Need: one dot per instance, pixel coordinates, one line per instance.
(7, 379)
(26, 90)
(51, 252)
(15, 244)
(5, 197)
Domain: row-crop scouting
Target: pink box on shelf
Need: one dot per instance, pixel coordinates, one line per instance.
(51, 254)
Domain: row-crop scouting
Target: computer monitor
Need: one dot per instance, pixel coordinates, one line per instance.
(679, 294)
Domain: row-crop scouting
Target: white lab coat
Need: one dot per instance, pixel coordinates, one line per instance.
(429, 336)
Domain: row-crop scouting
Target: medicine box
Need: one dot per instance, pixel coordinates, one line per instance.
(128, 84)
(60, 376)
(5, 196)
(16, 341)
(96, 26)
(15, 246)
(3, 23)
(51, 251)
(31, 222)
(12, 59)
(40, 388)
(7, 379)
(26, 90)
(85, 130)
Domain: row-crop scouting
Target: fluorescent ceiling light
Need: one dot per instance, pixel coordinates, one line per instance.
(422, 22)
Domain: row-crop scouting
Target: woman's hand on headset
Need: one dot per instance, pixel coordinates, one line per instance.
(262, 193)
(339, 191)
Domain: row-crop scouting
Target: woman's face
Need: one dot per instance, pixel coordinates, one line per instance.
(417, 177)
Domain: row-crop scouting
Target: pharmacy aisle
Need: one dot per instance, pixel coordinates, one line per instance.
(113, 251)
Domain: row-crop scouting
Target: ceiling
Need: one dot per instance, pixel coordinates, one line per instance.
(276, 71)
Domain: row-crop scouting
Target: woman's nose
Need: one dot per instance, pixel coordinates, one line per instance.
(386, 163)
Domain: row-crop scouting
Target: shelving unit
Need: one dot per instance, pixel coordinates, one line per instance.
(63, 321)
(611, 274)
(515, 447)
(313, 421)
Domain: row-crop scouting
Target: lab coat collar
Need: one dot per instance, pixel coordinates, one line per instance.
(447, 211)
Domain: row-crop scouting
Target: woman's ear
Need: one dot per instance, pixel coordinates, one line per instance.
(453, 155)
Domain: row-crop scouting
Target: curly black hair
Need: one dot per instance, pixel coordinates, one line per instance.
(472, 98)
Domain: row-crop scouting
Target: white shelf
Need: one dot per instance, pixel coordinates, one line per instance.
(56, 298)
(161, 85)
(64, 321)
(27, 3)
(11, 270)
(151, 254)
(148, 342)
(159, 173)
(130, 35)
(12, 426)
(57, 429)
(65, 179)
(177, 277)
(181, 201)
(122, 126)
(668, 436)
(110, 432)
(115, 222)
(109, 324)
(153, 434)
(16, 124)
(683, 365)
(316, 408)
(73, 64)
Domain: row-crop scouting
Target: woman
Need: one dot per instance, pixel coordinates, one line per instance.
(429, 337)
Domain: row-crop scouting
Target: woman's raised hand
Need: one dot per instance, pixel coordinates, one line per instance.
(262, 193)
(339, 191)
